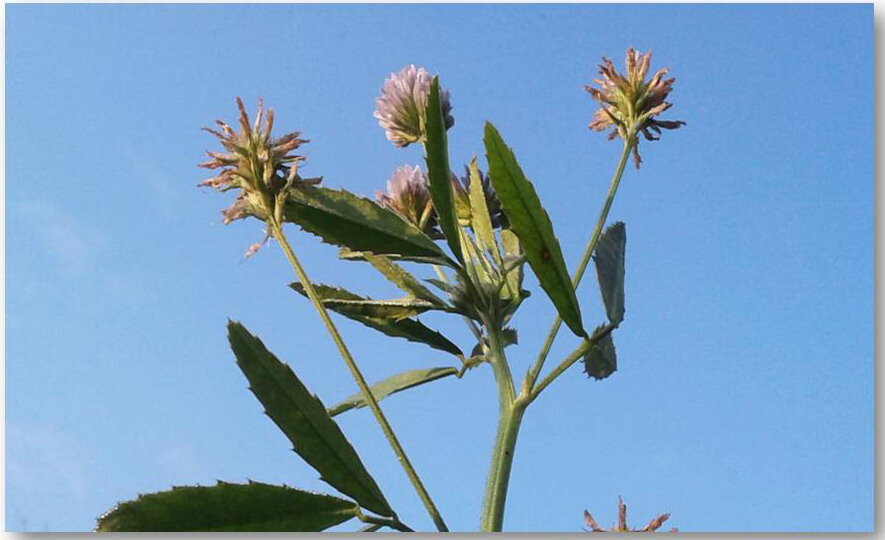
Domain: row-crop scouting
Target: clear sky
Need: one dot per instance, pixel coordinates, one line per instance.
(744, 395)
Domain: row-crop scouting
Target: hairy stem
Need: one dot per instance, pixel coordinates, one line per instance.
(535, 370)
(277, 232)
(511, 412)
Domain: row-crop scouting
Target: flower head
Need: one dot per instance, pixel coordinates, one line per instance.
(408, 196)
(259, 166)
(400, 107)
(629, 103)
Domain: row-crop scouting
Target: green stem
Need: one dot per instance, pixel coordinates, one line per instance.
(511, 413)
(533, 373)
(576, 355)
(277, 231)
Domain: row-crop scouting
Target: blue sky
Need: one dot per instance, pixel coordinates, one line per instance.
(744, 395)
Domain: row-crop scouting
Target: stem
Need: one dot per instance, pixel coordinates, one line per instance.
(576, 355)
(277, 231)
(511, 413)
(533, 373)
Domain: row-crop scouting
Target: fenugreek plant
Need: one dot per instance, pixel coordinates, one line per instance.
(472, 235)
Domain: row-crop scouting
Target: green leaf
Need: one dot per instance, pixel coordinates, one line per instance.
(509, 336)
(479, 213)
(601, 360)
(436, 155)
(530, 222)
(341, 218)
(391, 385)
(303, 418)
(609, 260)
(512, 250)
(397, 275)
(349, 255)
(409, 329)
(252, 507)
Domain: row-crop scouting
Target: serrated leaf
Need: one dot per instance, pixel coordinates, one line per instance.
(341, 218)
(350, 255)
(601, 360)
(392, 385)
(409, 329)
(530, 222)
(609, 259)
(302, 417)
(479, 213)
(436, 156)
(397, 275)
(253, 507)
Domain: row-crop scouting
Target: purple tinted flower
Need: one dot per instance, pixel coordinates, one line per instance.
(254, 163)
(400, 107)
(408, 196)
(629, 103)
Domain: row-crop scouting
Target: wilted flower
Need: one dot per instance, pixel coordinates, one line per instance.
(629, 103)
(408, 196)
(653, 526)
(261, 167)
(400, 107)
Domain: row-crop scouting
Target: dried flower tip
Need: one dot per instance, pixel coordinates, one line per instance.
(400, 109)
(629, 103)
(622, 522)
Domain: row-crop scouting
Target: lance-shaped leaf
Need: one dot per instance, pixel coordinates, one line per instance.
(530, 222)
(303, 418)
(479, 213)
(341, 218)
(409, 329)
(609, 260)
(436, 155)
(252, 507)
(512, 255)
(397, 275)
(391, 385)
(601, 360)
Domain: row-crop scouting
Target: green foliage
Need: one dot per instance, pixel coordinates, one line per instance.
(409, 329)
(303, 418)
(601, 360)
(391, 385)
(530, 222)
(341, 218)
(397, 275)
(512, 251)
(347, 303)
(479, 213)
(609, 260)
(436, 156)
(252, 507)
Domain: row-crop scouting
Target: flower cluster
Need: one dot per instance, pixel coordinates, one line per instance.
(629, 103)
(408, 195)
(400, 107)
(259, 166)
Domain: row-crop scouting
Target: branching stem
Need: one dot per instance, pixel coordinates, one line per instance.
(277, 231)
(532, 375)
